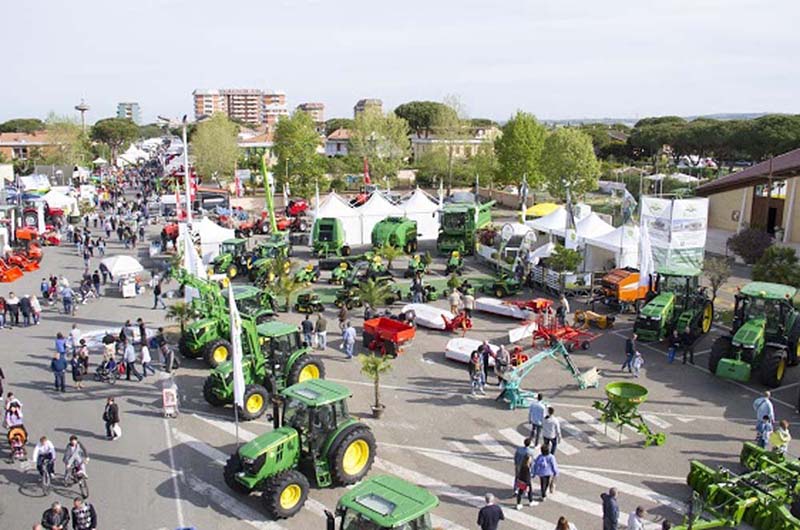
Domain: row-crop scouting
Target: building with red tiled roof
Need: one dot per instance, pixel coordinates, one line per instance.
(337, 142)
(20, 146)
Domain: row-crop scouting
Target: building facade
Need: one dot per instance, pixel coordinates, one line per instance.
(363, 105)
(315, 110)
(337, 142)
(129, 110)
(466, 147)
(246, 105)
(23, 146)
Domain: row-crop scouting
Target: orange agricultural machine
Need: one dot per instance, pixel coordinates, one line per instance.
(620, 289)
(9, 273)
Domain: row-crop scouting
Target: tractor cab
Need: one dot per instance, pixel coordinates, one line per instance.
(767, 302)
(384, 502)
(236, 247)
(232, 257)
(315, 412)
(254, 302)
(675, 301)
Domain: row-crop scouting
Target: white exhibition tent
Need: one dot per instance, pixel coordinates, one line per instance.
(555, 223)
(620, 246)
(376, 209)
(422, 209)
(211, 236)
(34, 183)
(592, 226)
(333, 205)
(122, 265)
(680, 177)
(57, 199)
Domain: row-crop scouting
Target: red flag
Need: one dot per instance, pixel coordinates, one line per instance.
(367, 180)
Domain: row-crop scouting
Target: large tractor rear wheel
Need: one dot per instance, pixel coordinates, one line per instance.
(217, 352)
(232, 467)
(256, 400)
(285, 494)
(793, 355)
(305, 368)
(209, 395)
(706, 317)
(719, 350)
(351, 456)
(773, 366)
(184, 349)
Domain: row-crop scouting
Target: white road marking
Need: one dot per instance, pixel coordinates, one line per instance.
(622, 487)
(203, 448)
(227, 427)
(241, 511)
(592, 422)
(579, 434)
(493, 446)
(460, 447)
(622, 472)
(655, 420)
(684, 420)
(174, 472)
(446, 490)
(513, 436)
(701, 352)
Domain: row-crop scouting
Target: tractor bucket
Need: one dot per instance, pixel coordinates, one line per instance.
(9, 273)
(733, 369)
(22, 263)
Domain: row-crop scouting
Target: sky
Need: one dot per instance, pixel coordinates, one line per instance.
(558, 59)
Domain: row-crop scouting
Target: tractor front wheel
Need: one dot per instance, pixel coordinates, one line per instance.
(305, 368)
(232, 467)
(706, 318)
(352, 455)
(499, 292)
(773, 366)
(345, 250)
(217, 352)
(256, 400)
(209, 395)
(285, 494)
(232, 271)
(719, 350)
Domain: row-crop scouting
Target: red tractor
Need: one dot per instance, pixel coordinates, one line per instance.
(296, 207)
(52, 216)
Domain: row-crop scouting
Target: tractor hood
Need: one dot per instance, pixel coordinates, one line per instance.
(750, 333)
(658, 306)
(267, 442)
(197, 327)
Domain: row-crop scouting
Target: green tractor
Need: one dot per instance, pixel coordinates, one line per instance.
(502, 286)
(675, 301)
(315, 441)
(278, 358)
(308, 303)
(455, 264)
(400, 232)
(308, 274)
(328, 238)
(416, 265)
(232, 259)
(384, 502)
(765, 335)
(340, 273)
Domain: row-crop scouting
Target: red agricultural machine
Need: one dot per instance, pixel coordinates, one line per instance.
(386, 336)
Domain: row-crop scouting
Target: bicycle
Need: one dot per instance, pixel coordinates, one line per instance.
(77, 474)
(46, 473)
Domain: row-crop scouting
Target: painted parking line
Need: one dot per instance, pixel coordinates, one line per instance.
(513, 436)
(492, 446)
(601, 428)
(655, 420)
(238, 509)
(459, 446)
(570, 428)
(227, 427)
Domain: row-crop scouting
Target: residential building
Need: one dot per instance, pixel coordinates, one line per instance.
(336, 143)
(22, 146)
(257, 145)
(129, 110)
(465, 147)
(367, 104)
(315, 110)
(763, 195)
(274, 97)
(246, 105)
(243, 104)
(208, 102)
(272, 113)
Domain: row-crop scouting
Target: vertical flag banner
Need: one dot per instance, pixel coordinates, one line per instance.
(236, 346)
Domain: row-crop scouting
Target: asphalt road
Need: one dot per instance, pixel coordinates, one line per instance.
(166, 473)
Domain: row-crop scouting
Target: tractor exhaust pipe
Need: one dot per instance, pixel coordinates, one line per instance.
(330, 522)
(276, 412)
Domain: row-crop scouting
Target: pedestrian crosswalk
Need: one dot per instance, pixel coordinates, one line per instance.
(581, 432)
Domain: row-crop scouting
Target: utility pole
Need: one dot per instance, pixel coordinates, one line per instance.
(186, 174)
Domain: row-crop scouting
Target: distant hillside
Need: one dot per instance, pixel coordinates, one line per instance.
(632, 121)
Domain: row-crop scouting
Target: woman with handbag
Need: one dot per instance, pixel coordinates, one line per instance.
(111, 418)
(523, 482)
(546, 468)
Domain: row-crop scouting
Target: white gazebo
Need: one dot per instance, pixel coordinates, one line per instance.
(333, 205)
(376, 209)
(211, 236)
(423, 209)
(620, 246)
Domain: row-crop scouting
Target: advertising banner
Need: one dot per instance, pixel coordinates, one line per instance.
(676, 229)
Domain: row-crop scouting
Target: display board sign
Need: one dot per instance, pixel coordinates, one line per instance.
(677, 230)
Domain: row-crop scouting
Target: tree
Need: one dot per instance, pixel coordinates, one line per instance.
(22, 125)
(151, 130)
(116, 133)
(182, 312)
(374, 293)
(382, 140)
(778, 264)
(451, 128)
(423, 116)
(568, 160)
(389, 253)
(750, 244)
(519, 150)
(296, 143)
(564, 259)
(215, 147)
(431, 165)
(70, 145)
(717, 270)
(372, 367)
(337, 123)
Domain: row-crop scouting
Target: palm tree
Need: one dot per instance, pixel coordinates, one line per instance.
(182, 312)
(376, 294)
(372, 366)
(287, 286)
(389, 253)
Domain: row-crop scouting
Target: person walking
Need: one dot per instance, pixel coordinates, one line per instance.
(523, 481)
(75, 337)
(635, 519)
(146, 360)
(349, 339)
(342, 315)
(763, 407)
(630, 351)
(490, 515)
(130, 361)
(96, 281)
(307, 327)
(59, 366)
(3, 313)
(674, 344)
(763, 432)
(476, 373)
(455, 301)
(105, 273)
(84, 516)
(486, 354)
(687, 341)
(12, 304)
(546, 468)
(61, 344)
(536, 413)
(111, 419)
(157, 297)
(468, 299)
(36, 310)
(564, 524)
(638, 362)
(68, 299)
(321, 328)
(56, 517)
(520, 454)
(26, 310)
(610, 510)
(76, 368)
(551, 431)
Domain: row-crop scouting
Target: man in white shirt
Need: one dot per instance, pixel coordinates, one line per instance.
(635, 521)
(551, 430)
(44, 450)
(536, 413)
(75, 337)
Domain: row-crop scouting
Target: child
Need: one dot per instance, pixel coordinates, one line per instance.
(763, 431)
(638, 362)
(476, 373)
(674, 344)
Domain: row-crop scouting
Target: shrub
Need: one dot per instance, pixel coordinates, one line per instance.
(779, 265)
(564, 259)
(750, 244)
(717, 270)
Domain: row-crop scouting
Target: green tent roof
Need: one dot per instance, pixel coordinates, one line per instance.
(389, 501)
(769, 291)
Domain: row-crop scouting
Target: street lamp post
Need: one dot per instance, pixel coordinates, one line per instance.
(186, 174)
